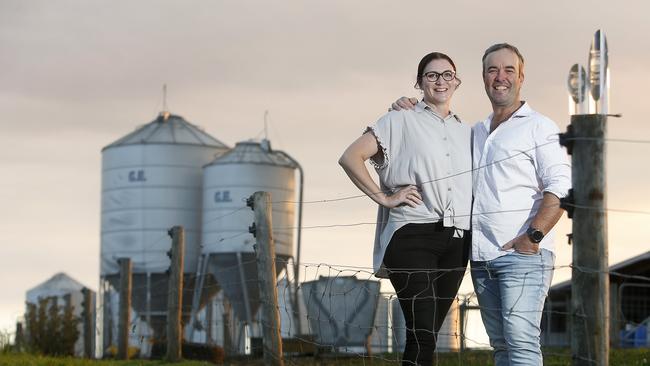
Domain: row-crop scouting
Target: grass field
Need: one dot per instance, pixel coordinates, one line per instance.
(553, 357)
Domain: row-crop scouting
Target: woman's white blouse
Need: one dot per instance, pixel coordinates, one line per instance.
(421, 148)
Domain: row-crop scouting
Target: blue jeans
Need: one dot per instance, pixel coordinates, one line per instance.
(511, 291)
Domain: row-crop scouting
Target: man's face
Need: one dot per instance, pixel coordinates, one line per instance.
(503, 76)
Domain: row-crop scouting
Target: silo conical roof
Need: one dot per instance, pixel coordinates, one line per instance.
(251, 152)
(169, 129)
(60, 284)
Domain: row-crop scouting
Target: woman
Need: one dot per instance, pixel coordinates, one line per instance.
(422, 157)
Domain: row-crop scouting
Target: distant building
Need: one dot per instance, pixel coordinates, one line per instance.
(64, 291)
(629, 305)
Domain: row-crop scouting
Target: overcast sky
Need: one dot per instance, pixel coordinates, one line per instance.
(77, 75)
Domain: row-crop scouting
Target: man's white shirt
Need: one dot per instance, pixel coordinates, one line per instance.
(512, 168)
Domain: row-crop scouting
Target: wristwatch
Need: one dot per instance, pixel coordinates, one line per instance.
(534, 235)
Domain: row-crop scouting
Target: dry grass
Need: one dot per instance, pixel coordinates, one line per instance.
(553, 357)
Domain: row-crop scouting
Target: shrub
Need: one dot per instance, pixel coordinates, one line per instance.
(50, 329)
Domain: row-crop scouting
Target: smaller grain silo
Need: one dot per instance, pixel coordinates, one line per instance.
(69, 296)
(227, 246)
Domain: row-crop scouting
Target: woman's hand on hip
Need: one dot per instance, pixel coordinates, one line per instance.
(409, 195)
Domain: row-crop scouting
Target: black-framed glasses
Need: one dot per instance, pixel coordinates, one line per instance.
(433, 76)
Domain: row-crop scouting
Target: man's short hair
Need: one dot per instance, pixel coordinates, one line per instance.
(500, 46)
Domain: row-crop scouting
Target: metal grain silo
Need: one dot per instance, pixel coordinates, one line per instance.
(151, 181)
(228, 181)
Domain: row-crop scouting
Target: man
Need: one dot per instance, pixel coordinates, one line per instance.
(520, 172)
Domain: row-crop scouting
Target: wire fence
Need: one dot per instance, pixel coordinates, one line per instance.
(344, 311)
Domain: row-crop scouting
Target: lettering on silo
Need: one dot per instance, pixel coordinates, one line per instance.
(222, 196)
(137, 176)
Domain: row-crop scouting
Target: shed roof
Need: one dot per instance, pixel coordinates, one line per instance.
(631, 266)
(58, 285)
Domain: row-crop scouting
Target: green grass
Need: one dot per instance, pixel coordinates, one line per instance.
(31, 360)
(553, 357)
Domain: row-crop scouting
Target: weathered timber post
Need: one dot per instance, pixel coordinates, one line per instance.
(125, 309)
(88, 321)
(19, 339)
(260, 202)
(590, 306)
(175, 295)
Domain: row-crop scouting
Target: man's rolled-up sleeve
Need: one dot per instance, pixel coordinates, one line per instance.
(552, 161)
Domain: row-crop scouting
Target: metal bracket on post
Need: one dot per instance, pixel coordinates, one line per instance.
(168, 271)
(170, 232)
(567, 138)
(568, 203)
(250, 202)
(569, 238)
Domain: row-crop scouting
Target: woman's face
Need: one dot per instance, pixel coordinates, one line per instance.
(439, 91)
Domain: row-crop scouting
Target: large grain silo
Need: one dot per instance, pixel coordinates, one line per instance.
(152, 180)
(228, 181)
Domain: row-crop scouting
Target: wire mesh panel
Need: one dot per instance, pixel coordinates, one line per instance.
(341, 310)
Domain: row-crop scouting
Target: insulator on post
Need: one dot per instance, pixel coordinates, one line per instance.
(567, 138)
(568, 203)
(577, 84)
(599, 74)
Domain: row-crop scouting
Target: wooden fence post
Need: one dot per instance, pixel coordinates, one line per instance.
(265, 252)
(88, 321)
(590, 278)
(175, 299)
(125, 309)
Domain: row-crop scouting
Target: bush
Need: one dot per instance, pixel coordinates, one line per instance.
(5, 341)
(51, 331)
(191, 351)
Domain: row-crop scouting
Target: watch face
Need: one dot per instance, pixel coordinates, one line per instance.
(535, 235)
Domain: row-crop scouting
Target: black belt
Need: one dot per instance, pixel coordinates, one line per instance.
(436, 226)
